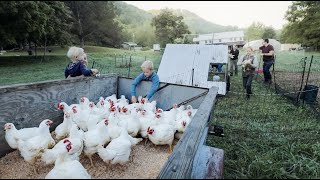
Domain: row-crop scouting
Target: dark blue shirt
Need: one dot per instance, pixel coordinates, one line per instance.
(76, 69)
(155, 84)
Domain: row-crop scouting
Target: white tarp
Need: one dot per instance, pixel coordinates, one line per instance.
(258, 43)
(179, 61)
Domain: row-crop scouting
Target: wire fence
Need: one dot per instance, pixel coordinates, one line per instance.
(298, 81)
(123, 65)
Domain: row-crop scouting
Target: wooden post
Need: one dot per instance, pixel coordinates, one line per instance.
(129, 66)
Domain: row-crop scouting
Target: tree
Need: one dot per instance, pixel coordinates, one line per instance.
(169, 27)
(145, 35)
(254, 31)
(95, 20)
(303, 23)
(31, 21)
(269, 33)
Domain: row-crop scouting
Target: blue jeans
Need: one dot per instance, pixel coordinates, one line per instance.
(219, 67)
(266, 70)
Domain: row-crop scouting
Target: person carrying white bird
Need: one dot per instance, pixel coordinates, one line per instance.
(249, 63)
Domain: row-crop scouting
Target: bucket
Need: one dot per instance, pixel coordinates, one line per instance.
(310, 93)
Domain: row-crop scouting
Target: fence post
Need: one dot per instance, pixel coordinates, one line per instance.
(308, 74)
(129, 66)
(274, 74)
(93, 64)
(122, 61)
(115, 60)
(192, 76)
(304, 69)
(145, 58)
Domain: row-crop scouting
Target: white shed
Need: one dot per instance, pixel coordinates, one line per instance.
(156, 47)
(188, 64)
(230, 38)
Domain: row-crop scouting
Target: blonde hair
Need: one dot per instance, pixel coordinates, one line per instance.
(74, 53)
(147, 65)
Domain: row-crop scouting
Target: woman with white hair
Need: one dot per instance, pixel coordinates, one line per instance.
(149, 75)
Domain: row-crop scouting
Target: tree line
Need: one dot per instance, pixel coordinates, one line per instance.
(43, 23)
(106, 23)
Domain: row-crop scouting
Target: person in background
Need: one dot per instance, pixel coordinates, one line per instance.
(267, 53)
(149, 75)
(249, 63)
(77, 66)
(233, 54)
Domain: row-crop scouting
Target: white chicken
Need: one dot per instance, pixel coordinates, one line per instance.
(147, 119)
(13, 135)
(95, 138)
(150, 106)
(165, 117)
(118, 150)
(33, 147)
(161, 135)
(84, 103)
(193, 111)
(65, 107)
(112, 98)
(66, 167)
(94, 115)
(63, 129)
(131, 123)
(76, 137)
(182, 123)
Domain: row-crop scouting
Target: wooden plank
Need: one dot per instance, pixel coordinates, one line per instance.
(180, 162)
(209, 164)
(208, 161)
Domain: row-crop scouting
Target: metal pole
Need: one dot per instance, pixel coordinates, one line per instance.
(304, 68)
(274, 74)
(129, 66)
(115, 60)
(192, 76)
(93, 64)
(145, 58)
(126, 61)
(308, 74)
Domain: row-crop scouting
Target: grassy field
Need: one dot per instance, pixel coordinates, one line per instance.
(265, 137)
(18, 67)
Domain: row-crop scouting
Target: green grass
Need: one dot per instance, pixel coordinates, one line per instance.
(25, 69)
(267, 136)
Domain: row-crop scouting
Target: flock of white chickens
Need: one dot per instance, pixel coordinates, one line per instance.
(108, 128)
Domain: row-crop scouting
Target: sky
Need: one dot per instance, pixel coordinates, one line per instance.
(235, 13)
